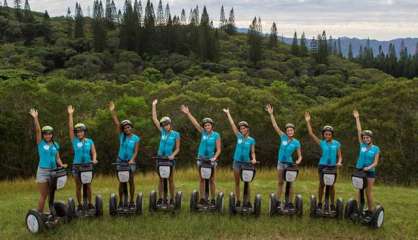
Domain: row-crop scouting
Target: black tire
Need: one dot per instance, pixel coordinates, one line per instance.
(34, 222)
(340, 208)
(299, 205)
(272, 204)
(350, 208)
(99, 206)
(113, 203)
(378, 217)
(61, 211)
(193, 200)
(220, 203)
(177, 201)
(312, 210)
(152, 201)
(71, 209)
(257, 205)
(138, 204)
(232, 204)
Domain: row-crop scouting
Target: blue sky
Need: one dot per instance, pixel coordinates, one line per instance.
(377, 19)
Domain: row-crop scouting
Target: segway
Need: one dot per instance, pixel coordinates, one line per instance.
(206, 169)
(122, 207)
(85, 175)
(37, 222)
(290, 174)
(358, 213)
(247, 173)
(328, 176)
(164, 170)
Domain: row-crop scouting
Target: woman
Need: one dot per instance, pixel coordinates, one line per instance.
(209, 148)
(169, 148)
(331, 151)
(128, 150)
(288, 146)
(49, 157)
(244, 148)
(84, 152)
(368, 158)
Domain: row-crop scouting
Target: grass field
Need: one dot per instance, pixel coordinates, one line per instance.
(401, 213)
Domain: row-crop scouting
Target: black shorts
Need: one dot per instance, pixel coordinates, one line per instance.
(369, 174)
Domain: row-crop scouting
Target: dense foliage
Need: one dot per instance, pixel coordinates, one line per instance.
(207, 68)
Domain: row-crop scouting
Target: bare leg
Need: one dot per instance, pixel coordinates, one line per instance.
(280, 183)
(89, 193)
(43, 190)
(320, 192)
(333, 194)
(78, 190)
(131, 189)
(201, 186)
(213, 184)
(160, 189)
(172, 187)
(237, 181)
(369, 193)
(120, 193)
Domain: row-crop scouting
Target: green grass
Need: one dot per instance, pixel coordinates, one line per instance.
(401, 208)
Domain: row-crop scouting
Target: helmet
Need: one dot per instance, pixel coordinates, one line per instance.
(47, 129)
(80, 127)
(367, 133)
(243, 123)
(327, 128)
(290, 125)
(126, 123)
(165, 121)
(207, 120)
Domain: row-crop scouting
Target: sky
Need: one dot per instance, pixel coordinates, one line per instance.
(375, 19)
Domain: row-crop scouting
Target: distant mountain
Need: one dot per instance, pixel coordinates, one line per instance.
(410, 43)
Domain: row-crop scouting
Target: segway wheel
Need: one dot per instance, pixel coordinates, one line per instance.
(113, 203)
(312, 211)
(378, 217)
(99, 206)
(299, 205)
(34, 222)
(232, 204)
(220, 202)
(177, 201)
(272, 204)
(340, 208)
(61, 210)
(350, 208)
(193, 201)
(138, 204)
(152, 201)
(71, 209)
(257, 205)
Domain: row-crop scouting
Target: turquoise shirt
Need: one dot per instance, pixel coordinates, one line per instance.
(167, 142)
(366, 156)
(82, 150)
(207, 146)
(48, 154)
(329, 152)
(287, 148)
(127, 146)
(243, 148)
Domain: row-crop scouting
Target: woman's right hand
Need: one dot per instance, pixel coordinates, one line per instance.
(226, 110)
(111, 106)
(70, 109)
(185, 109)
(33, 112)
(356, 114)
(154, 103)
(307, 116)
(269, 108)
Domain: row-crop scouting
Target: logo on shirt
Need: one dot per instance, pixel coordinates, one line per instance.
(80, 145)
(46, 147)
(284, 143)
(239, 141)
(363, 149)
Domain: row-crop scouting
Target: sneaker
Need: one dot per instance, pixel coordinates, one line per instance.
(249, 205)
(278, 204)
(238, 203)
(213, 202)
(319, 206)
(91, 206)
(202, 201)
(290, 206)
(333, 207)
(159, 201)
(171, 201)
(165, 201)
(131, 205)
(79, 207)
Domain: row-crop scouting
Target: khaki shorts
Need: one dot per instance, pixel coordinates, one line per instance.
(43, 175)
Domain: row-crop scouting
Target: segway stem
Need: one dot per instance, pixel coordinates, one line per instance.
(287, 193)
(362, 200)
(125, 194)
(246, 185)
(206, 189)
(327, 190)
(85, 195)
(165, 185)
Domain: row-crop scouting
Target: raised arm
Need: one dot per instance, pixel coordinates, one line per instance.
(231, 121)
(154, 114)
(70, 111)
(269, 109)
(114, 117)
(308, 124)
(38, 135)
(185, 110)
(358, 124)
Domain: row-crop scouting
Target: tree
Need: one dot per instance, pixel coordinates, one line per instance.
(255, 41)
(129, 28)
(27, 13)
(350, 51)
(18, 10)
(222, 19)
(79, 22)
(160, 14)
(183, 19)
(69, 24)
(207, 45)
(295, 46)
(303, 49)
(231, 29)
(273, 36)
(340, 51)
(5, 3)
(98, 25)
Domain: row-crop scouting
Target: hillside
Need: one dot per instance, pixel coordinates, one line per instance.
(56, 68)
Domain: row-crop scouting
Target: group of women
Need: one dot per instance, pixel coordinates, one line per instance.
(209, 148)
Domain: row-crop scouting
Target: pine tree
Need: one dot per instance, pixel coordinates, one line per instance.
(46, 28)
(183, 19)
(5, 3)
(295, 46)
(222, 19)
(18, 10)
(148, 34)
(69, 24)
(314, 47)
(160, 14)
(167, 13)
(273, 36)
(340, 51)
(255, 41)
(79, 22)
(27, 13)
(129, 28)
(303, 49)
(98, 25)
(322, 56)
(231, 29)
(204, 35)
(350, 52)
